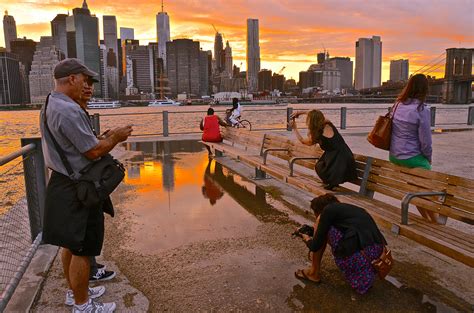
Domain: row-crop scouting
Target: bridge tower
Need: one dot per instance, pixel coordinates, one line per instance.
(458, 76)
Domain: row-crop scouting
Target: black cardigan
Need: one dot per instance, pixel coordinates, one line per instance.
(357, 225)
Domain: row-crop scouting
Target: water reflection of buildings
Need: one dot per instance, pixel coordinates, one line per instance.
(162, 151)
(133, 171)
(251, 197)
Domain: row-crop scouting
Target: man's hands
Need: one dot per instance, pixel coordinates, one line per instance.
(104, 135)
(120, 133)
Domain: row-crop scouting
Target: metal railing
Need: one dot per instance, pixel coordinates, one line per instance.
(21, 213)
(271, 119)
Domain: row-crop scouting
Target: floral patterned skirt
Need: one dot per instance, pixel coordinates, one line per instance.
(356, 268)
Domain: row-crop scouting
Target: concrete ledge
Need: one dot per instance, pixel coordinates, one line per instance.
(32, 281)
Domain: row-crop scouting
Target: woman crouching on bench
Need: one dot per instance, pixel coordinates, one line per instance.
(354, 238)
(337, 164)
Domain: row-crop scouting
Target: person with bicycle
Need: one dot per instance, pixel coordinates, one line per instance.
(234, 113)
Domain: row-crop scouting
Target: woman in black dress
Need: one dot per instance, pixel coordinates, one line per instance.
(337, 164)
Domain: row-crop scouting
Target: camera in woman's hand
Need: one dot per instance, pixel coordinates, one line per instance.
(304, 229)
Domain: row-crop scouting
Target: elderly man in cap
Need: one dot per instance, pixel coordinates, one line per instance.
(66, 223)
(98, 272)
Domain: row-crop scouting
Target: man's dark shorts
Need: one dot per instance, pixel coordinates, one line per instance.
(67, 224)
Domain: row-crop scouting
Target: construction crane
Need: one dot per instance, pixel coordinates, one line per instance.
(217, 32)
(281, 71)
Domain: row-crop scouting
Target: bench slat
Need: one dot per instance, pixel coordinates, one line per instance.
(426, 183)
(413, 171)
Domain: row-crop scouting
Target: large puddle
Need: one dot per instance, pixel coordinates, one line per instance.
(183, 196)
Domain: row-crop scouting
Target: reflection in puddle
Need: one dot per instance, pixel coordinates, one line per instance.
(185, 197)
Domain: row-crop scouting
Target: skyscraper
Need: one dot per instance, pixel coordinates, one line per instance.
(10, 78)
(187, 67)
(141, 57)
(83, 39)
(110, 33)
(345, 65)
(59, 33)
(162, 32)
(110, 41)
(25, 49)
(218, 52)
(9, 29)
(265, 80)
(46, 57)
(278, 82)
(228, 60)
(399, 70)
(112, 75)
(253, 54)
(368, 68)
(127, 33)
(104, 91)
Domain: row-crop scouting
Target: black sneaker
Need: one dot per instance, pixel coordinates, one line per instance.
(101, 275)
(101, 266)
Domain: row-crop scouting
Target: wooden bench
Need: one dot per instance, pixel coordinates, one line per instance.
(451, 196)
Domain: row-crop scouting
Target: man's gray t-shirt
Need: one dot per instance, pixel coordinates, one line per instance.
(71, 128)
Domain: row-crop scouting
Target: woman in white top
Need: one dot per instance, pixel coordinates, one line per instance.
(235, 112)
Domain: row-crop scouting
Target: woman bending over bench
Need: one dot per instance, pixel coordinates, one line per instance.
(354, 238)
(337, 164)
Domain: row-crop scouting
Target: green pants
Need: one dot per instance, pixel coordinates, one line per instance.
(416, 161)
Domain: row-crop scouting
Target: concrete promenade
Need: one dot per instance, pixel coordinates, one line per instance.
(254, 272)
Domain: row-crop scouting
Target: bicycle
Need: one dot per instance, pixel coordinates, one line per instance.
(241, 123)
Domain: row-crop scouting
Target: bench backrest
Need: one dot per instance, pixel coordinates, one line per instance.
(396, 181)
(376, 175)
(244, 138)
(294, 149)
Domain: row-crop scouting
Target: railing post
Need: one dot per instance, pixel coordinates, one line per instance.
(289, 111)
(433, 116)
(343, 117)
(35, 184)
(470, 116)
(165, 124)
(96, 123)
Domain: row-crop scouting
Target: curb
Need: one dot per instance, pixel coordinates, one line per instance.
(32, 281)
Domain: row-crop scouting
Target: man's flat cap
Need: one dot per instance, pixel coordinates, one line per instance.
(72, 66)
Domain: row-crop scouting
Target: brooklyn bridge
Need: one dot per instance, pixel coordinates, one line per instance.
(454, 88)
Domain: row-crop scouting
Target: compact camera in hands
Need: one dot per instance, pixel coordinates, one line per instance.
(304, 229)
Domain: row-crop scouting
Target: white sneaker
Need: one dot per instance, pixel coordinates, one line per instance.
(96, 307)
(94, 293)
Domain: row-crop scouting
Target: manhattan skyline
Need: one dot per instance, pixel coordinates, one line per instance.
(291, 32)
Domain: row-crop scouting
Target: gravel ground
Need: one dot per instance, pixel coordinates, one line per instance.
(254, 272)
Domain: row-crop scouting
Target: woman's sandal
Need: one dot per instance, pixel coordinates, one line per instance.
(300, 274)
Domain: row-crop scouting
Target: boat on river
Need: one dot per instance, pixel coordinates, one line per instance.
(103, 104)
(163, 103)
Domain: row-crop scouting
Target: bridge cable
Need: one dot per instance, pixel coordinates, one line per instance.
(429, 63)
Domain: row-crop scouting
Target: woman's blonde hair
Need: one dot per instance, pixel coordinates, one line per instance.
(315, 122)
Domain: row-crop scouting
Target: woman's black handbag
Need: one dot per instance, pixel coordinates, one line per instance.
(97, 180)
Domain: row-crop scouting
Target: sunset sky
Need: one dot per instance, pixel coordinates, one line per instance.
(291, 31)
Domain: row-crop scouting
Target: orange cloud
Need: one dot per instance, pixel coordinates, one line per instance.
(291, 32)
